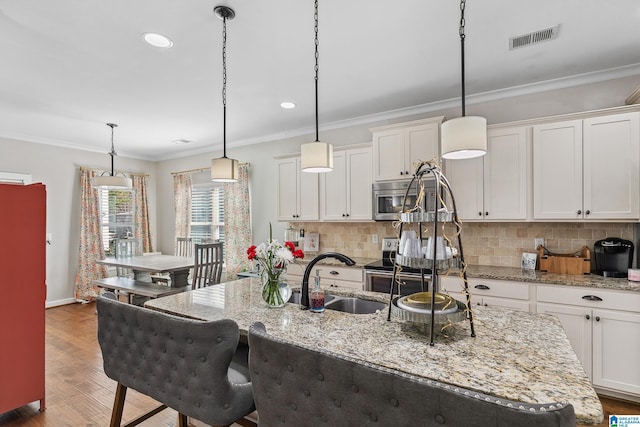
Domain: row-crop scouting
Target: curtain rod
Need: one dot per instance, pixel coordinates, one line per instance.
(203, 169)
(117, 170)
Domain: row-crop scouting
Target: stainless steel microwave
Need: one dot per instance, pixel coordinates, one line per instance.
(389, 198)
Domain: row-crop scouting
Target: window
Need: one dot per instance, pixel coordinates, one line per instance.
(116, 217)
(207, 212)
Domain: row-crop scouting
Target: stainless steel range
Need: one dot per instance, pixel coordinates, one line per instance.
(379, 274)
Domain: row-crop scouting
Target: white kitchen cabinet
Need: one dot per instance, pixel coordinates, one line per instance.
(488, 292)
(297, 191)
(495, 186)
(330, 276)
(397, 147)
(587, 169)
(345, 192)
(603, 327)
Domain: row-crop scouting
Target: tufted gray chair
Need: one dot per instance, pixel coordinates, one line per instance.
(188, 365)
(294, 386)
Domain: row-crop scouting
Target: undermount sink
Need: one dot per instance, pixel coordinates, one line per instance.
(345, 304)
(355, 305)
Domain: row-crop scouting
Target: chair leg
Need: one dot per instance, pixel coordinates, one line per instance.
(118, 405)
(182, 420)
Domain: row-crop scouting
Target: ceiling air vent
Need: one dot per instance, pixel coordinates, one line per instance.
(533, 38)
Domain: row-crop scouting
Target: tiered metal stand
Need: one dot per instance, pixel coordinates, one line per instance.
(442, 310)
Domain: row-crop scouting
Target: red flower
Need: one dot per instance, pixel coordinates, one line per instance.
(290, 246)
(298, 254)
(251, 252)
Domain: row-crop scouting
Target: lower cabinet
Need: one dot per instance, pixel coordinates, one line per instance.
(330, 276)
(603, 327)
(486, 292)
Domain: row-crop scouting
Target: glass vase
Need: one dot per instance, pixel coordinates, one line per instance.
(275, 288)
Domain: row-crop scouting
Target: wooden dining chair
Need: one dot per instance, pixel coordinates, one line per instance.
(184, 246)
(208, 265)
(127, 248)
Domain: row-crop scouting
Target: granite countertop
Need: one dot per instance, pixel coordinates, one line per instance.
(536, 276)
(515, 355)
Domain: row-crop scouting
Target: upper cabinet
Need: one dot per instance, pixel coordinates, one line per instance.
(494, 186)
(587, 169)
(397, 147)
(297, 191)
(345, 192)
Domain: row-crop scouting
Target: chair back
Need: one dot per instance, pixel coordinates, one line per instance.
(295, 386)
(184, 246)
(182, 363)
(127, 248)
(208, 265)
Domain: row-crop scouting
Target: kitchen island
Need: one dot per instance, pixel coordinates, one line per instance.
(515, 355)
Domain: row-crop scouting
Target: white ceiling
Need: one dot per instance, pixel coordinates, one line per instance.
(70, 66)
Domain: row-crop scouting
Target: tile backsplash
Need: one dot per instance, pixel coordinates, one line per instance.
(499, 244)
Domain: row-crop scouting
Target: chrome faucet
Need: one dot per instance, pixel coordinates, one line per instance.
(304, 293)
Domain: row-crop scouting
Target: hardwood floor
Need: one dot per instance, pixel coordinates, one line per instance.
(78, 393)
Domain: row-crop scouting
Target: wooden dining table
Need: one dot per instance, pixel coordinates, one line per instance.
(142, 266)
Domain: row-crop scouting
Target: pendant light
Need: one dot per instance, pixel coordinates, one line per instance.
(224, 169)
(112, 181)
(464, 137)
(317, 156)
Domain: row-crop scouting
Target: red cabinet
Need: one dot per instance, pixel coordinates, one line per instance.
(22, 294)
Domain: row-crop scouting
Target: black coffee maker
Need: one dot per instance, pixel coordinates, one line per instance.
(614, 257)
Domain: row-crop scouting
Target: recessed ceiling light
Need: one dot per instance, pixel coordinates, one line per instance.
(287, 105)
(157, 40)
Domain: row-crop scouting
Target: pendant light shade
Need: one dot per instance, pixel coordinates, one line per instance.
(466, 136)
(111, 180)
(224, 169)
(316, 156)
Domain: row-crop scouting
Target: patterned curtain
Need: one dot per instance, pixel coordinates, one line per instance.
(237, 223)
(142, 228)
(182, 203)
(91, 248)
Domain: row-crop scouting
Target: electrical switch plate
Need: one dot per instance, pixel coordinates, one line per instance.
(374, 238)
(539, 241)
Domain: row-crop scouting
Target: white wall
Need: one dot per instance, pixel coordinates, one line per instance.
(58, 168)
(263, 175)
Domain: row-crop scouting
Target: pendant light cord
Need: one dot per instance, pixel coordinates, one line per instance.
(462, 37)
(315, 17)
(224, 86)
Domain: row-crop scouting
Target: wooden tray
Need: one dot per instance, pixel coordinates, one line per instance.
(576, 263)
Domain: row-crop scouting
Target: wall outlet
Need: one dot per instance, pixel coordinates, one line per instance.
(538, 241)
(374, 238)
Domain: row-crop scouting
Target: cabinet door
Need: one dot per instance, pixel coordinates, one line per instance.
(359, 180)
(389, 155)
(557, 170)
(506, 172)
(421, 145)
(287, 189)
(616, 346)
(333, 190)
(307, 195)
(466, 180)
(611, 177)
(576, 322)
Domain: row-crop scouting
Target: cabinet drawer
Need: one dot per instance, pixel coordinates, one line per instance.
(328, 273)
(488, 287)
(596, 298)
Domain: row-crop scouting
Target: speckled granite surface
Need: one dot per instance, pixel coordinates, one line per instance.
(515, 355)
(535, 276)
